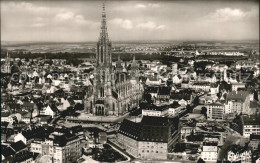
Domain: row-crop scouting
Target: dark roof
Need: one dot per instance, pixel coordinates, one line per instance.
(76, 129)
(151, 89)
(154, 121)
(44, 118)
(237, 96)
(252, 120)
(254, 137)
(151, 78)
(27, 104)
(5, 114)
(210, 143)
(215, 104)
(238, 149)
(130, 129)
(164, 91)
(23, 156)
(68, 135)
(254, 104)
(13, 106)
(180, 95)
(8, 151)
(34, 132)
(150, 128)
(100, 102)
(17, 146)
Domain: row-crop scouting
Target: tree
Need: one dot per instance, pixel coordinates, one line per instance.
(204, 111)
(79, 106)
(148, 97)
(169, 82)
(201, 161)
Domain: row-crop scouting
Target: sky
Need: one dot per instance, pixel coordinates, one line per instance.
(79, 21)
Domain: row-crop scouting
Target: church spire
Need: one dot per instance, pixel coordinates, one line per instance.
(103, 33)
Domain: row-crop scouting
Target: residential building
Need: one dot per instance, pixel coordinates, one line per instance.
(62, 146)
(254, 141)
(153, 110)
(251, 125)
(235, 86)
(215, 111)
(237, 102)
(28, 135)
(209, 151)
(201, 86)
(247, 125)
(238, 153)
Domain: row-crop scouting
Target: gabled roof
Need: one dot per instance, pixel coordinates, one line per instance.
(8, 151)
(33, 132)
(18, 146)
(237, 96)
(23, 156)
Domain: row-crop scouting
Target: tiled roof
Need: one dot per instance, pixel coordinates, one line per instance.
(238, 149)
(18, 146)
(149, 129)
(237, 96)
(23, 156)
(8, 151)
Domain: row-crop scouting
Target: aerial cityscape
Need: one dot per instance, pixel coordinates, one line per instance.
(131, 81)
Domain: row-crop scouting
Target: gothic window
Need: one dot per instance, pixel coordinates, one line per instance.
(113, 107)
(91, 105)
(102, 92)
(101, 51)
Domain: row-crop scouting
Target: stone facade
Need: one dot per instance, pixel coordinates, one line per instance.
(115, 91)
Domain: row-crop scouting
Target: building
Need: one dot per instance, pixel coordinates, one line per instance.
(201, 86)
(238, 153)
(102, 137)
(215, 111)
(28, 135)
(164, 94)
(6, 67)
(254, 141)
(235, 86)
(175, 68)
(237, 102)
(115, 92)
(152, 138)
(62, 145)
(251, 125)
(51, 110)
(247, 125)
(209, 151)
(153, 110)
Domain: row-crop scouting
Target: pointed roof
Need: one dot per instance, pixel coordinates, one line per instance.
(103, 33)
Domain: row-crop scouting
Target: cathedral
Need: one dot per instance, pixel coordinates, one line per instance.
(115, 91)
(6, 67)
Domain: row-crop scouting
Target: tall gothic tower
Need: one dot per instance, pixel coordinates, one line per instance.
(7, 66)
(102, 85)
(113, 92)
